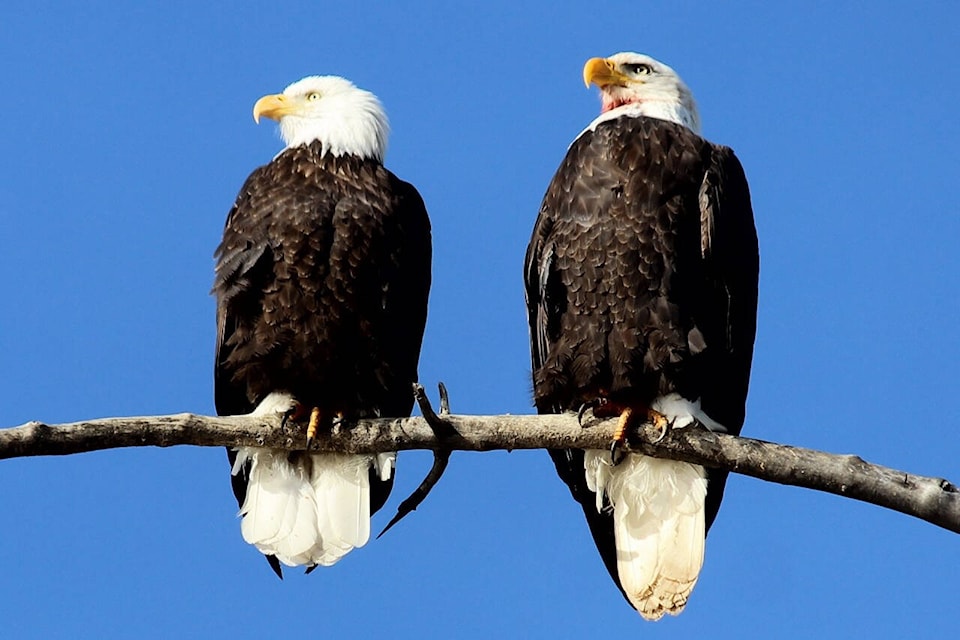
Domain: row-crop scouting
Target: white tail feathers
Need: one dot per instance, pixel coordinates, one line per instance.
(658, 512)
(310, 511)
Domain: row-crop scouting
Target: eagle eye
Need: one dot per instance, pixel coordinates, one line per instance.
(638, 69)
(313, 95)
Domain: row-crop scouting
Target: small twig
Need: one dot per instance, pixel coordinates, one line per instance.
(441, 457)
(440, 427)
(444, 399)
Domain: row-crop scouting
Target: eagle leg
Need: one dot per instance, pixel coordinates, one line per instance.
(312, 426)
(620, 435)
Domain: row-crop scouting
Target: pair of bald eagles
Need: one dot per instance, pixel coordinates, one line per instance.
(641, 288)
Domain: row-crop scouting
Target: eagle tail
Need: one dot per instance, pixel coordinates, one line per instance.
(658, 514)
(307, 509)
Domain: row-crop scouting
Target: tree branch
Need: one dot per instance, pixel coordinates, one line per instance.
(932, 499)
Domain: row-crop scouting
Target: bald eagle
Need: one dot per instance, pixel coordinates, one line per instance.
(321, 284)
(641, 285)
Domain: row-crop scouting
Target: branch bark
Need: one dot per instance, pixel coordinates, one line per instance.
(932, 499)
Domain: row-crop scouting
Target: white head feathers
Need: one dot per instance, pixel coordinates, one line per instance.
(638, 85)
(332, 110)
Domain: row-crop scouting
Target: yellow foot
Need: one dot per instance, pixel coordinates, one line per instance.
(628, 422)
(659, 422)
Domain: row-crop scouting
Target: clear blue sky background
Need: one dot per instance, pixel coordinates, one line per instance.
(126, 135)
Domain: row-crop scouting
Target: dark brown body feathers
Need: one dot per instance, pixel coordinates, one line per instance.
(321, 282)
(641, 280)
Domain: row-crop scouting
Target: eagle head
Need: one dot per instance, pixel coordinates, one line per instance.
(637, 84)
(329, 109)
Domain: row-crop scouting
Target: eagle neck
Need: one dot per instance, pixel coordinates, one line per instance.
(669, 111)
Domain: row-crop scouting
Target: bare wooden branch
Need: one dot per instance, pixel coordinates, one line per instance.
(932, 499)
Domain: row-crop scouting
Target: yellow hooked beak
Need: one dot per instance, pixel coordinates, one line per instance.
(603, 73)
(274, 107)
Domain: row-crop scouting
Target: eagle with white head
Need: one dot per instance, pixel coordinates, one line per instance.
(321, 283)
(641, 284)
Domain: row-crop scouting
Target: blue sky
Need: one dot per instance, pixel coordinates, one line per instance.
(127, 134)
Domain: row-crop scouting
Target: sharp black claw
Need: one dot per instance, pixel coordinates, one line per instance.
(667, 426)
(582, 410)
(589, 404)
(614, 450)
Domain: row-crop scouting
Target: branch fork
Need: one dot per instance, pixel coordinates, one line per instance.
(442, 430)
